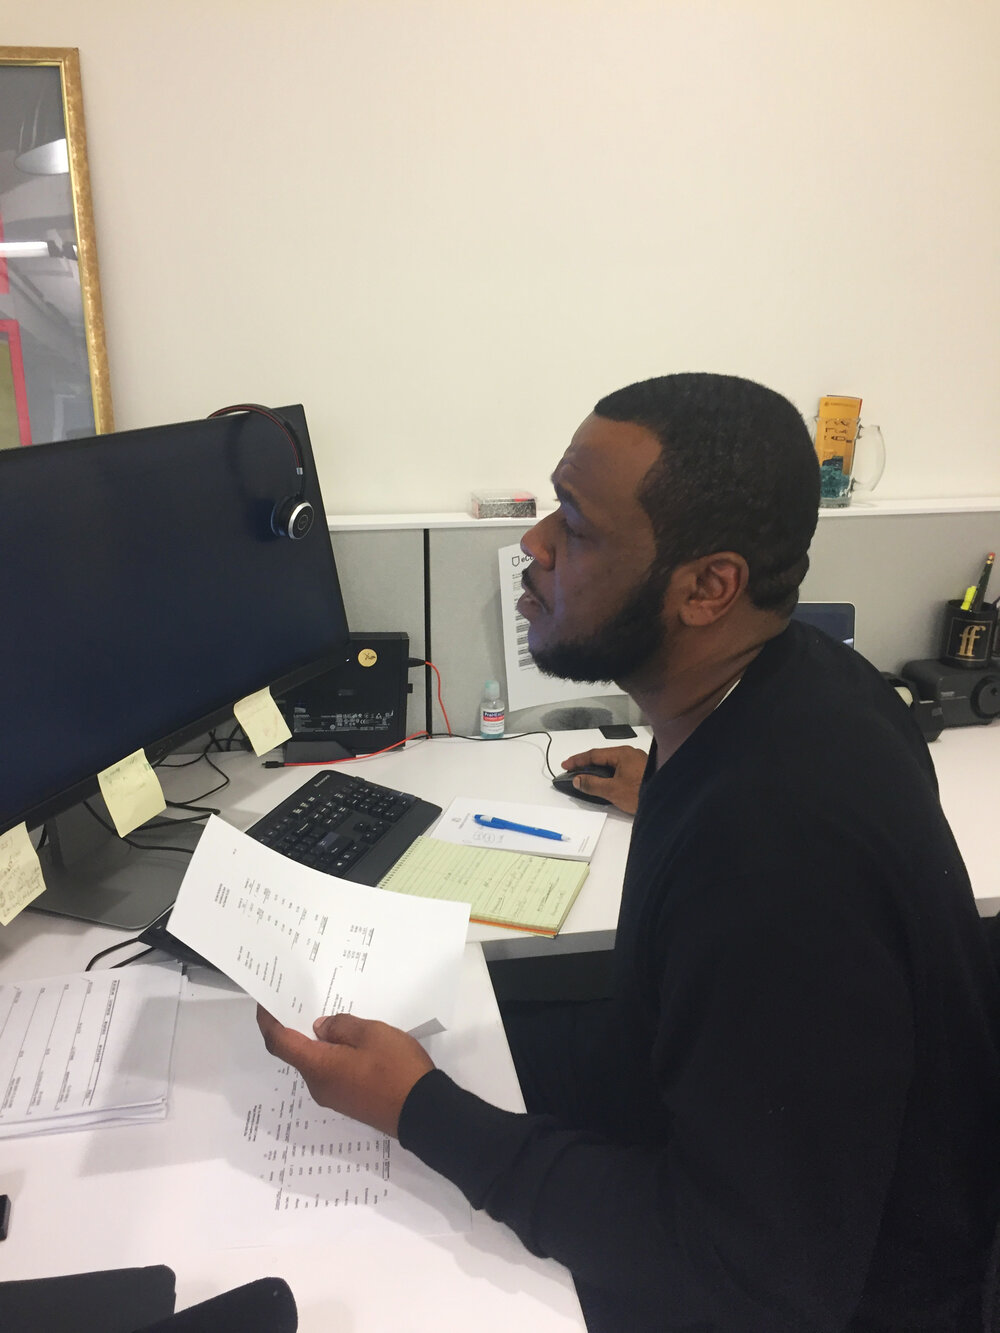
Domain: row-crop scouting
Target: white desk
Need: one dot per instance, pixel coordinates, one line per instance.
(439, 770)
(120, 1197)
(967, 763)
(78, 1198)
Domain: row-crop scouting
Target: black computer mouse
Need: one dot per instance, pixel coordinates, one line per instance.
(563, 782)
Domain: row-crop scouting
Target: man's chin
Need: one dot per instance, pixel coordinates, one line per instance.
(565, 663)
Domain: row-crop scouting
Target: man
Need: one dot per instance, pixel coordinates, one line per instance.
(788, 1116)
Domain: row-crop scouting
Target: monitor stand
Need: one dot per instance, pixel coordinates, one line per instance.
(92, 875)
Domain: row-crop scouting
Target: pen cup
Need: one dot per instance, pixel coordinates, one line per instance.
(968, 635)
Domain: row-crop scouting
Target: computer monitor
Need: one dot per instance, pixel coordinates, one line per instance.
(143, 592)
(833, 618)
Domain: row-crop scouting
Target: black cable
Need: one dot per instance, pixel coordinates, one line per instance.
(219, 786)
(112, 948)
(214, 740)
(184, 763)
(517, 736)
(140, 846)
(135, 959)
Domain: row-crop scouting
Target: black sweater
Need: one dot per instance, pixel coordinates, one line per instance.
(798, 1081)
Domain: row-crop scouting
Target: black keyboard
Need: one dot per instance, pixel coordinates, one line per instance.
(345, 826)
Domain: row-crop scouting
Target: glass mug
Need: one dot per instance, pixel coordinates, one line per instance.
(857, 470)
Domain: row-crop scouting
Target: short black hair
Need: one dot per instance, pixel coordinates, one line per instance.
(737, 472)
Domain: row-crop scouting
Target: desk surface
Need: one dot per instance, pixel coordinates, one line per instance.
(966, 760)
(130, 1195)
(84, 1200)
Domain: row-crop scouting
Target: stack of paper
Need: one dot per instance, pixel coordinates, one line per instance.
(88, 1049)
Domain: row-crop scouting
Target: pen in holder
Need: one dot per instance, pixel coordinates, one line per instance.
(969, 635)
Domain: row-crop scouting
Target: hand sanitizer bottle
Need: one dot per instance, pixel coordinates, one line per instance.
(491, 712)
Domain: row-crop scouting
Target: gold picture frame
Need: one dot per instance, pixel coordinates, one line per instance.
(54, 381)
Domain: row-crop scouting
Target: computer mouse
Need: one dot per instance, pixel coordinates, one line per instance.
(563, 782)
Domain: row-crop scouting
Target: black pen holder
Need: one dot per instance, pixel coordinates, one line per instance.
(968, 636)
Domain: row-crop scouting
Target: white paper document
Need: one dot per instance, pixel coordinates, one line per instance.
(304, 944)
(267, 1165)
(88, 1049)
(580, 829)
(526, 686)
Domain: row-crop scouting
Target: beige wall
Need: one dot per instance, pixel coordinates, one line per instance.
(447, 226)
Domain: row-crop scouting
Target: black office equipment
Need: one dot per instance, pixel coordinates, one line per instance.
(358, 707)
(966, 696)
(292, 515)
(345, 825)
(143, 593)
(833, 618)
(563, 782)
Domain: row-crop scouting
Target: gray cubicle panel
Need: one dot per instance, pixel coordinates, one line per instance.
(382, 581)
(897, 569)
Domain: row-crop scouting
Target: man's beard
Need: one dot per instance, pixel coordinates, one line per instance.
(618, 648)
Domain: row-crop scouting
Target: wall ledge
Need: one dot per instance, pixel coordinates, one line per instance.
(878, 508)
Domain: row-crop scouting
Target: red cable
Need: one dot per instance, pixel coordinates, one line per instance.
(440, 700)
(316, 763)
(350, 758)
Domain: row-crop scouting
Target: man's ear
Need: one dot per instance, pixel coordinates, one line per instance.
(705, 589)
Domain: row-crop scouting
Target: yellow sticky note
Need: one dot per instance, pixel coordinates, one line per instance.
(132, 792)
(260, 717)
(20, 874)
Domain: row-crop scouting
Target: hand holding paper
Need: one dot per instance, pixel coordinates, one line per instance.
(362, 1069)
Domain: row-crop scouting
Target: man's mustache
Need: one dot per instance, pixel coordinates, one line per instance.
(528, 583)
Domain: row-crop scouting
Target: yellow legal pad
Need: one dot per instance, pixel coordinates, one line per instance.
(502, 888)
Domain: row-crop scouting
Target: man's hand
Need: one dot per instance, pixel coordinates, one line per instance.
(622, 789)
(360, 1068)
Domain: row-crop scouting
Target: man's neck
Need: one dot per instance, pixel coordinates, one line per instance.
(686, 694)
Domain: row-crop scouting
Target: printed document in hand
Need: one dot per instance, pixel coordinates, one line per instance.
(581, 828)
(88, 1049)
(303, 943)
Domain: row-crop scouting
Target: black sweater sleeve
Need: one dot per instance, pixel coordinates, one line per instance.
(782, 1067)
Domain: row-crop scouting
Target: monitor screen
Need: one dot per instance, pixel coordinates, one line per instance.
(143, 592)
(833, 618)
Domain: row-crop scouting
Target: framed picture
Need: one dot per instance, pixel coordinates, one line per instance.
(54, 381)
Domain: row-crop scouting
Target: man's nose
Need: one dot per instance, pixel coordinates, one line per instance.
(537, 543)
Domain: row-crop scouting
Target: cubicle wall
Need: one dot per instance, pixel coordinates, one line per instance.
(898, 568)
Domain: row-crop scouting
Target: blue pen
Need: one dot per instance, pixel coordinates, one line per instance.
(485, 822)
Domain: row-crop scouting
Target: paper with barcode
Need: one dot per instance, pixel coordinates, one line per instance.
(304, 943)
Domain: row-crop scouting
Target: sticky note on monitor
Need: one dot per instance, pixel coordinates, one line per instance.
(132, 792)
(20, 874)
(261, 720)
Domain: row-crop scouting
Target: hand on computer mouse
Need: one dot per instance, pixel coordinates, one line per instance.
(621, 789)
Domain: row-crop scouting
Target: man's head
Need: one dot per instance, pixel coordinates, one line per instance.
(683, 482)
